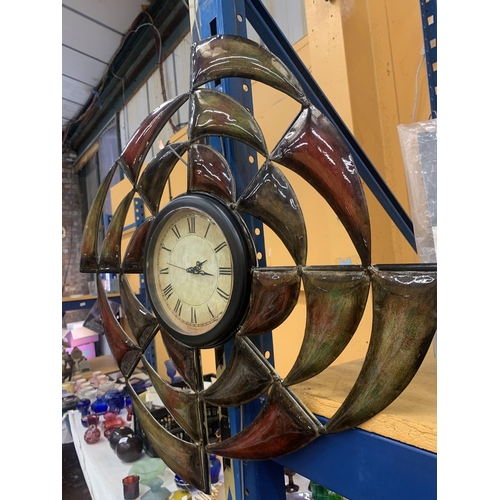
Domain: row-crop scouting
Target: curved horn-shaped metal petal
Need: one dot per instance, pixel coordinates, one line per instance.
(270, 198)
(404, 323)
(186, 360)
(186, 459)
(152, 181)
(88, 259)
(209, 172)
(274, 294)
(335, 299)
(215, 113)
(282, 426)
(182, 405)
(125, 352)
(314, 149)
(110, 258)
(246, 376)
(225, 56)
(137, 148)
(141, 322)
(133, 260)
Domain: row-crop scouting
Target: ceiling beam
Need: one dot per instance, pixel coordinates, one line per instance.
(137, 57)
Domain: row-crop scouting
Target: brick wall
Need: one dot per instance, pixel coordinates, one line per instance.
(73, 282)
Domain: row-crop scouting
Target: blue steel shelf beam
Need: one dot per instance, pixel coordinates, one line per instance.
(361, 465)
(276, 42)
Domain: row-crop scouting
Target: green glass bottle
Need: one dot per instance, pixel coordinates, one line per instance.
(321, 493)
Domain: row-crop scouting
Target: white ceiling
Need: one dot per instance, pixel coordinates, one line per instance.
(92, 31)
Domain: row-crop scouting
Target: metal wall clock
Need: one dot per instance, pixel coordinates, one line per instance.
(206, 287)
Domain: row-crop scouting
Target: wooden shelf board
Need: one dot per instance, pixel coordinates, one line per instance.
(105, 364)
(76, 298)
(411, 418)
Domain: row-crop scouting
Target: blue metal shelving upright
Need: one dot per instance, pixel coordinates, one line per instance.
(357, 464)
(428, 9)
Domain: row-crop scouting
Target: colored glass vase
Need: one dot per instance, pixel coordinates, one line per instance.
(114, 399)
(92, 434)
(215, 466)
(156, 492)
(83, 406)
(99, 406)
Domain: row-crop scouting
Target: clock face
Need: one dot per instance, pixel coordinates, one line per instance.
(197, 269)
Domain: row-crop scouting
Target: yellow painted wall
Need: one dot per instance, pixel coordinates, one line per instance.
(364, 54)
(383, 41)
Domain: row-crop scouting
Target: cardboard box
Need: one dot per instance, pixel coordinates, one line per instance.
(79, 336)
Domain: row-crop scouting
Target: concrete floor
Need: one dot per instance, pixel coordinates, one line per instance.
(74, 486)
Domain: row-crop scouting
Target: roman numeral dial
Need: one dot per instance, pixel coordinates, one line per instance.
(191, 269)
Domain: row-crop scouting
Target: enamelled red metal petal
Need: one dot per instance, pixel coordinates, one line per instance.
(187, 360)
(274, 294)
(124, 350)
(133, 260)
(138, 146)
(283, 426)
(313, 148)
(151, 184)
(209, 172)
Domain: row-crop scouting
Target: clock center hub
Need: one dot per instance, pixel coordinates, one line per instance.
(194, 280)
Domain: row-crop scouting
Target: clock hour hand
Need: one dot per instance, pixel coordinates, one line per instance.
(202, 272)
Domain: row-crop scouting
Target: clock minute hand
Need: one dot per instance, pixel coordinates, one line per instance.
(184, 269)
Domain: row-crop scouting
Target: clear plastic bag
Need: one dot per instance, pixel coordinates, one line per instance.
(419, 148)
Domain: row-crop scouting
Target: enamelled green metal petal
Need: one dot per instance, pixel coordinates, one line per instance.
(215, 113)
(335, 302)
(188, 460)
(223, 56)
(246, 376)
(141, 322)
(404, 323)
(270, 198)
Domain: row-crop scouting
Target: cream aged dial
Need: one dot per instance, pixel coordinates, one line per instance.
(197, 267)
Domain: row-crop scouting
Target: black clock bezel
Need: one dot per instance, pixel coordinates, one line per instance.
(243, 255)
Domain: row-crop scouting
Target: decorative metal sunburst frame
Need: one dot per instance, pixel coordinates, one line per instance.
(404, 296)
